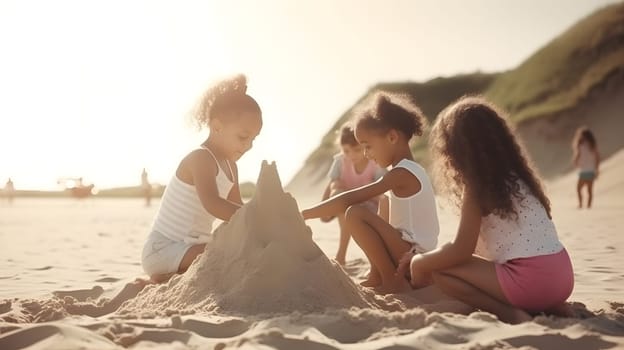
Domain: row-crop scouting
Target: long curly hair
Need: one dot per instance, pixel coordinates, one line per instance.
(474, 146)
(225, 99)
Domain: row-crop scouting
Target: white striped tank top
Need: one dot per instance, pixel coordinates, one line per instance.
(181, 216)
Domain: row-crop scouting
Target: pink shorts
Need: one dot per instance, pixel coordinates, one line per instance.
(537, 283)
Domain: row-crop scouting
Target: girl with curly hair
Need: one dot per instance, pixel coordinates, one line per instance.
(205, 184)
(506, 257)
(384, 131)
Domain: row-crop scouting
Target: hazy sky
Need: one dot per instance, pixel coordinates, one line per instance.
(103, 89)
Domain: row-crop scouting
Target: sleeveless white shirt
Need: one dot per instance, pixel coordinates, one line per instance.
(533, 234)
(181, 216)
(417, 214)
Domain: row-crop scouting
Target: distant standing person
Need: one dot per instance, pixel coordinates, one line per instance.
(587, 159)
(9, 190)
(146, 188)
(351, 169)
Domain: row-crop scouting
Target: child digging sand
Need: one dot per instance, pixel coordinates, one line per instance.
(384, 130)
(204, 188)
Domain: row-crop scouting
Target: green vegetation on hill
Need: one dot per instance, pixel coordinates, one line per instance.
(557, 78)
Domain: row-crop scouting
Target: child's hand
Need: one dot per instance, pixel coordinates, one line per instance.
(304, 214)
(417, 278)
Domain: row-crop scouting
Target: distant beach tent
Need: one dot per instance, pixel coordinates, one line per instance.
(76, 187)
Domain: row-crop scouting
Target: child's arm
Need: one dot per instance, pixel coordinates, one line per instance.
(327, 191)
(203, 169)
(339, 203)
(326, 195)
(234, 195)
(597, 161)
(452, 253)
(384, 208)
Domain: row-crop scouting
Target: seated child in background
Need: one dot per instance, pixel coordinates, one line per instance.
(351, 169)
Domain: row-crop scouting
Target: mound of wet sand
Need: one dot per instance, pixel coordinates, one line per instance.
(263, 261)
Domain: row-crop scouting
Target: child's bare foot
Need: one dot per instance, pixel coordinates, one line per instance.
(372, 279)
(370, 283)
(561, 310)
(515, 316)
(395, 286)
(103, 307)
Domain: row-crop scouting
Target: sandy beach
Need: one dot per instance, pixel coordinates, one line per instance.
(266, 281)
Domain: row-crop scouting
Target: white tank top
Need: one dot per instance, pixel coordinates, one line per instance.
(587, 158)
(416, 214)
(533, 234)
(181, 216)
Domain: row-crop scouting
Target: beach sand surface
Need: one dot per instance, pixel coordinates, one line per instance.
(267, 281)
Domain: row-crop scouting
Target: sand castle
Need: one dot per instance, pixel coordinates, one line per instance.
(263, 261)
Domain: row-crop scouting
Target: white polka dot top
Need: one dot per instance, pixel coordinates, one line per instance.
(532, 234)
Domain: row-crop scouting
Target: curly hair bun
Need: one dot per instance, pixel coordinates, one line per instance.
(398, 112)
(227, 95)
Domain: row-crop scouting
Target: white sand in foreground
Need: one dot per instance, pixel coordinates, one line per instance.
(273, 291)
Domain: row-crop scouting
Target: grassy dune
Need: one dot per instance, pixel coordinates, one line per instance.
(561, 74)
(555, 80)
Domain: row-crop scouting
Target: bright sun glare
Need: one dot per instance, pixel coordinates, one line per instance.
(101, 90)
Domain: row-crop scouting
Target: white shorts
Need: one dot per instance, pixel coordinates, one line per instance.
(162, 255)
(411, 239)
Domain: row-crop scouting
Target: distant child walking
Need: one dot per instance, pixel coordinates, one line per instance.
(586, 159)
(384, 130)
(205, 185)
(351, 169)
(506, 257)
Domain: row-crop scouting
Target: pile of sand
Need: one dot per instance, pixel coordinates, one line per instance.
(262, 261)
(264, 267)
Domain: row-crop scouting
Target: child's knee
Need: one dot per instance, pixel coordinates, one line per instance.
(354, 213)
